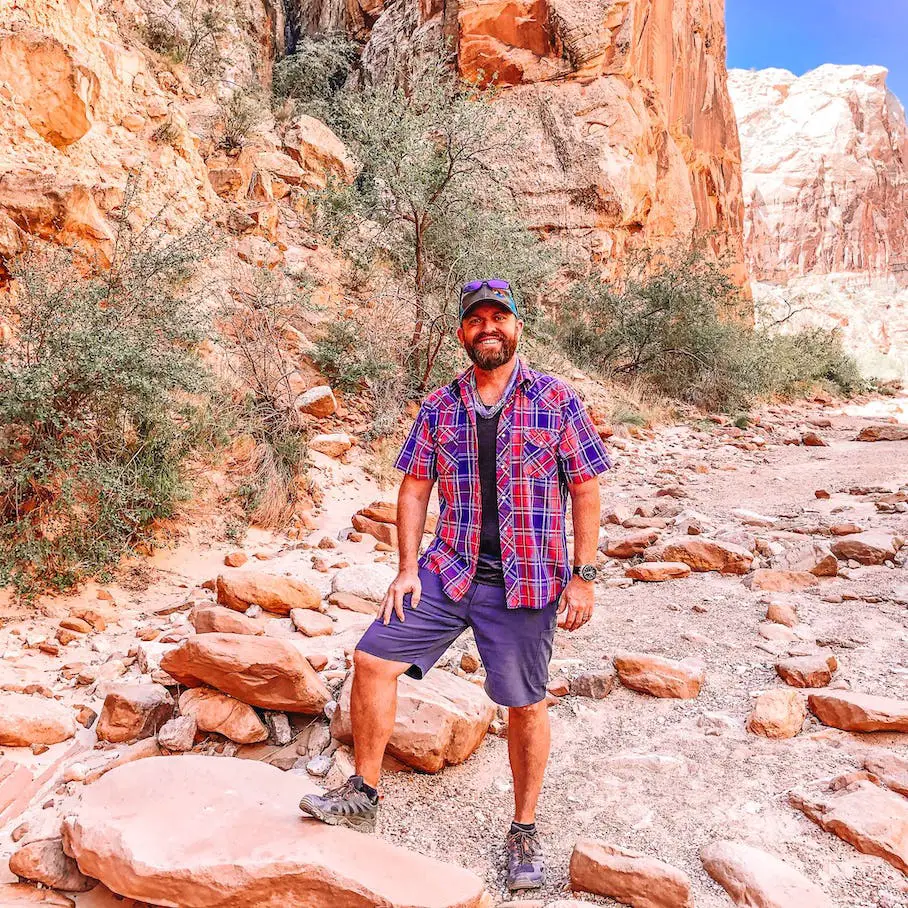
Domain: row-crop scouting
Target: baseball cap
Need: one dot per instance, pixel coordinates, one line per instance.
(492, 290)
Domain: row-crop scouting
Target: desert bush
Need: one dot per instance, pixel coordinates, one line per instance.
(241, 114)
(314, 73)
(187, 33)
(677, 321)
(257, 321)
(99, 406)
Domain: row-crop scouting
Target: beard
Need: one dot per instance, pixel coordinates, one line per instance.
(488, 358)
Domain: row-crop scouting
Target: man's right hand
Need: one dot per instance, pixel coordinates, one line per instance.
(406, 581)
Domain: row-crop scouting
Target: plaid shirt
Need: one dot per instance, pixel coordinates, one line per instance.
(545, 441)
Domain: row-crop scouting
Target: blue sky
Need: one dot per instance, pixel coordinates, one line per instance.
(802, 34)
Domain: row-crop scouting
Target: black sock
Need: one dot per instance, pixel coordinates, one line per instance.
(367, 789)
(522, 827)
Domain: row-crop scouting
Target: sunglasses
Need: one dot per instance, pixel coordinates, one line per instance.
(493, 284)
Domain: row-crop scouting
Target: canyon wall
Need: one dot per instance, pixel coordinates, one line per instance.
(825, 160)
(629, 136)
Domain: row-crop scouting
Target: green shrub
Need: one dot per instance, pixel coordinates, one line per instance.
(98, 406)
(677, 320)
(242, 113)
(313, 74)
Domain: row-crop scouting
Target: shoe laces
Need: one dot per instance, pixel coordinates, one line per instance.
(343, 792)
(524, 843)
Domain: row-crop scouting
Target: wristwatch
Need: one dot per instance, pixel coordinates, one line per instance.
(588, 572)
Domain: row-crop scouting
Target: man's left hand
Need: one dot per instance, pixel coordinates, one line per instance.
(577, 599)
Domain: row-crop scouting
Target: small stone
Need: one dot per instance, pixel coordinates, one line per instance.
(807, 671)
(134, 711)
(777, 714)
(235, 559)
(782, 613)
(658, 676)
(319, 766)
(178, 734)
(79, 625)
(43, 861)
(596, 685)
(558, 687)
(318, 401)
(469, 662)
(658, 571)
(310, 623)
(331, 445)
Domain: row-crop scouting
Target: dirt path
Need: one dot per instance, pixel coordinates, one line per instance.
(633, 770)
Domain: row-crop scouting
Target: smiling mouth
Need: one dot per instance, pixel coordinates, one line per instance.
(488, 341)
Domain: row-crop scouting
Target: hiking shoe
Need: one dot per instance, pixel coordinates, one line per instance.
(525, 867)
(347, 805)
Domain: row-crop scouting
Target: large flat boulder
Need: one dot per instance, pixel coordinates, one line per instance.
(872, 819)
(853, 711)
(757, 879)
(632, 878)
(27, 720)
(702, 554)
(240, 589)
(227, 833)
(440, 720)
(261, 671)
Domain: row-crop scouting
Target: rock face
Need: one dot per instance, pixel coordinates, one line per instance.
(852, 711)
(872, 819)
(235, 839)
(261, 671)
(26, 720)
(756, 879)
(440, 720)
(825, 160)
(626, 122)
(627, 876)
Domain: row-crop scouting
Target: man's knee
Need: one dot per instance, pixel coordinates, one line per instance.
(372, 667)
(527, 713)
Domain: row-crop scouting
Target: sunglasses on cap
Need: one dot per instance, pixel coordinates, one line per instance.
(494, 290)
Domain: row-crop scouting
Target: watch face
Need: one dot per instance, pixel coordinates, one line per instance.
(588, 572)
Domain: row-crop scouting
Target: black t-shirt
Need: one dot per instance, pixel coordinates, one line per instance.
(488, 568)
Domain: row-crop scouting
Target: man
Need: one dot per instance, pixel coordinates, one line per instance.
(505, 443)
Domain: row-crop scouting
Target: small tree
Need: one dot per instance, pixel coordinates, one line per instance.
(429, 199)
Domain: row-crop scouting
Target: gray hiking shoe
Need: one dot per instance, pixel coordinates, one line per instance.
(347, 806)
(525, 866)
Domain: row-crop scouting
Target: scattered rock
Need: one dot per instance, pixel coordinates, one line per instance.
(657, 571)
(631, 545)
(809, 556)
(383, 532)
(273, 593)
(312, 624)
(596, 684)
(852, 711)
(214, 711)
(890, 768)
(777, 714)
(782, 613)
(216, 619)
(235, 559)
(440, 720)
(813, 440)
(702, 554)
(872, 819)
(627, 876)
(43, 861)
(781, 581)
(331, 445)
(14, 895)
(870, 547)
(883, 433)
(319, 401)
(261, 671)
(235, 837)
(807, 671)
(756, 879)
(659, 676)
(278, 725)
(134, 711)
(351, 603)
(178, 734)
(367, 581)
(27, 720)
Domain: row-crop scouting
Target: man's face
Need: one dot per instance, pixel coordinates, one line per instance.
(489, 333)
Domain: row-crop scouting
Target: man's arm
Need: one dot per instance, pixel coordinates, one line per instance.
(578, 595)
(412, 505)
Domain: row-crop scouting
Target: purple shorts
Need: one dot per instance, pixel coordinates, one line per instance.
(515, 645)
